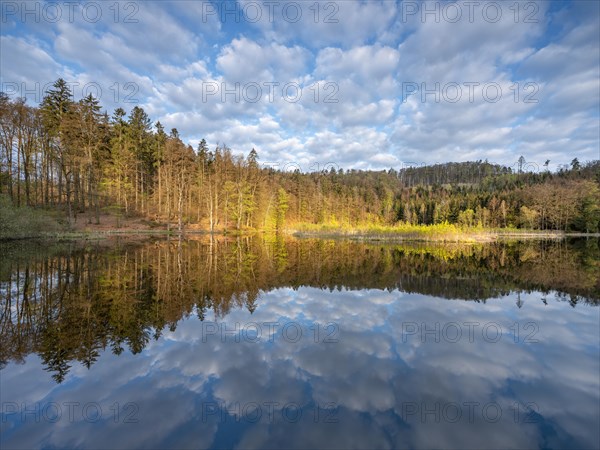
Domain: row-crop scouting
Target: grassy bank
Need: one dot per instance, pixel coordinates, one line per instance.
(25, 222)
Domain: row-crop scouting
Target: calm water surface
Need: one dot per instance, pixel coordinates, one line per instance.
(273, 343)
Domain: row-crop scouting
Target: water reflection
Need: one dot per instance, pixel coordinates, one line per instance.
(258, 343)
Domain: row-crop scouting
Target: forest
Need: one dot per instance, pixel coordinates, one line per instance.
(70, 157)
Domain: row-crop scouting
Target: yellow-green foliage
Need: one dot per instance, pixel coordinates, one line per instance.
(440, 232)
(445, 251)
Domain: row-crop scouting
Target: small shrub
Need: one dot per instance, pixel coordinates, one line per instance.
(25, 222)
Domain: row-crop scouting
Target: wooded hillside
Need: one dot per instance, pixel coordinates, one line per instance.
(68, 155)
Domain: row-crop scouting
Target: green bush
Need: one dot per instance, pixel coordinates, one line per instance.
(25, 222)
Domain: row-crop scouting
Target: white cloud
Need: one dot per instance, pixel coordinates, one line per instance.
(353, 75)
(244, 60)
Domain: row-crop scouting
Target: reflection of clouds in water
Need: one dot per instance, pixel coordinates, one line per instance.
(372, 373)
(113, 380)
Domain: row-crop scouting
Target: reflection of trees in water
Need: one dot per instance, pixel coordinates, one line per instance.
(69, 304)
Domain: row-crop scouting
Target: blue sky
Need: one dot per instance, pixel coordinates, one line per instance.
(356, 84)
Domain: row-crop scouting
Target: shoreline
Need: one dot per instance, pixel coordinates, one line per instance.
(463, 236)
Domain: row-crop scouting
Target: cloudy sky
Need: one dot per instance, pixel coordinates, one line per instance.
(357, 84)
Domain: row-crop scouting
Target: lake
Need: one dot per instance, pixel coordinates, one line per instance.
(272, 342)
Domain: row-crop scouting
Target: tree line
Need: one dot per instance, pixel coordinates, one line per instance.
(69, 155)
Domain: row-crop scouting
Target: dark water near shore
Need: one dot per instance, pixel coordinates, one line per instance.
(281, 343)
